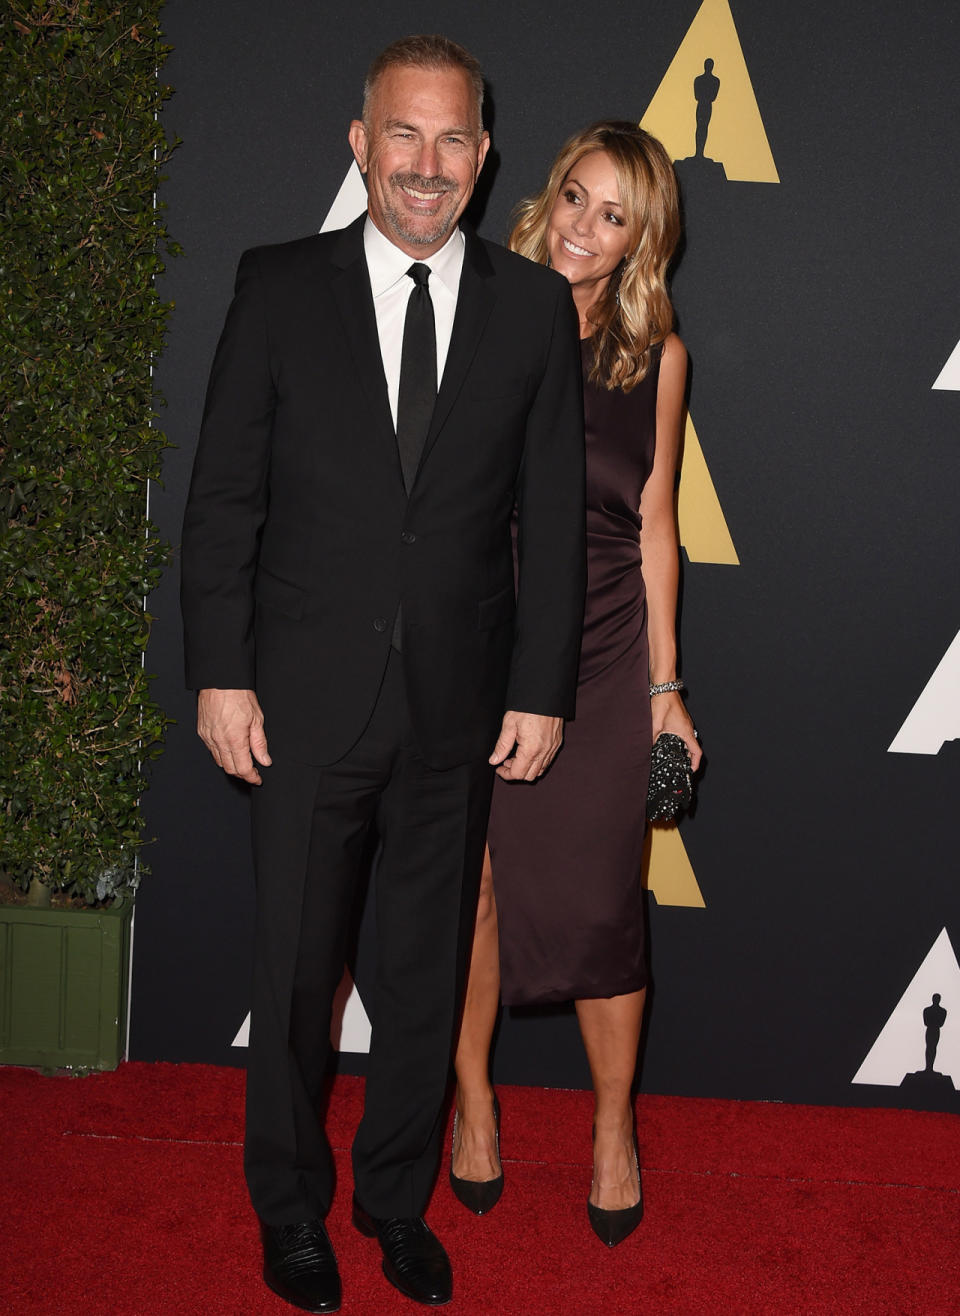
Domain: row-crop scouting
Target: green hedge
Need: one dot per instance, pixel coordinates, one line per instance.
(80, 153)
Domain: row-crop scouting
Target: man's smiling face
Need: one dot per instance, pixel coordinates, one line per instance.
(422, 150)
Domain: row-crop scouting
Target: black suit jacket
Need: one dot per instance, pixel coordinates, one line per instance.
(299, 540)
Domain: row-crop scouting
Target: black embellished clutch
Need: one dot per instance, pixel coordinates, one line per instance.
(670, 789)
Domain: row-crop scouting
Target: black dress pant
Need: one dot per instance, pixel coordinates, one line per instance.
(310, 829)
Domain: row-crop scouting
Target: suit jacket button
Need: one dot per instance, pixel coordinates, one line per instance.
(408, 537)
(379, 624)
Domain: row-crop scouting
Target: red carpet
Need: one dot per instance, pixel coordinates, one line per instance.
(123, 1195)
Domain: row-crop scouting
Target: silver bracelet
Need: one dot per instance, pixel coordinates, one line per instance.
(665, 687)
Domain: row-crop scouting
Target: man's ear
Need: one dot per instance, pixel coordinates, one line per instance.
(357, 137)
(482, 150)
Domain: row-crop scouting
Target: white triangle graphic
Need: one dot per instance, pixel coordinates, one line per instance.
(900, 1048)
(349, 1022)
(349, 202)
(935, 717)
(949, 376)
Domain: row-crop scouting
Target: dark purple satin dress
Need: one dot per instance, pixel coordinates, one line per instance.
(566, 850)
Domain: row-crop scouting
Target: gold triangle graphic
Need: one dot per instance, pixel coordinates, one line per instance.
(735, 135)
(703, 527)
(667, 871)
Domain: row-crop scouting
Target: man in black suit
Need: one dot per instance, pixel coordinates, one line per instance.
(348, 592)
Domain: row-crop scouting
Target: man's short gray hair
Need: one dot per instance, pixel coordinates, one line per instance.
(432, 52)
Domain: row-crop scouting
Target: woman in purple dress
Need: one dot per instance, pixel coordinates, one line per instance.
(561, 897)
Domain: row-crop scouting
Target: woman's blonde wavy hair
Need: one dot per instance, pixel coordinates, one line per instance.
(625, 331)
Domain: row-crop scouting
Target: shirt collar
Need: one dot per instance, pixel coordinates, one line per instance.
(387, 264)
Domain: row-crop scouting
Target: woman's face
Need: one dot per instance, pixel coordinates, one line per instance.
(587, 232)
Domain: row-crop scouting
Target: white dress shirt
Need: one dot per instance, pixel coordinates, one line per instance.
(391, 289)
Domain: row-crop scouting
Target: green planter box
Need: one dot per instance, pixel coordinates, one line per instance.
(63, 986)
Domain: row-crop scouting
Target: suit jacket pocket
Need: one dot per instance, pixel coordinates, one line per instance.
(280, 594)
(497, 609)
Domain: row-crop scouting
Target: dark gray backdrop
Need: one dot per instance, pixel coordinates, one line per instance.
(817, 313)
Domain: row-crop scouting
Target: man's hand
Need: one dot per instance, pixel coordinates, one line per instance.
(230, 724)
(527, 745)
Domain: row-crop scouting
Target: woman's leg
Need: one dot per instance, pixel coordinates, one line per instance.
(475, 1150)
(611, 1035)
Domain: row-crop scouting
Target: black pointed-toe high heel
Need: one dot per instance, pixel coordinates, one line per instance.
(483, 1195)
(612, 1227)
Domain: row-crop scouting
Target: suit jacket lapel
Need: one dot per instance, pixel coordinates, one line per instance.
(475, 300)
(351, 289)
(354, 299)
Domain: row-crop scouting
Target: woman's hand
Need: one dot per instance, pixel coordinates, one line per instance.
(670, 714)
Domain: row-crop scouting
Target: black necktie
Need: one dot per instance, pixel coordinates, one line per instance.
(418, 374)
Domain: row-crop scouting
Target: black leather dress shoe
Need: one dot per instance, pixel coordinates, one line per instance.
(299, 1265)
(413, 1257)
